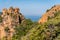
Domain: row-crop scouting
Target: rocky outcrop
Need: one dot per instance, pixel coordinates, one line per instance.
(50, 13)
(10, 18)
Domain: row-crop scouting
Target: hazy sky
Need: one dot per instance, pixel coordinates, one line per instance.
(29, 7)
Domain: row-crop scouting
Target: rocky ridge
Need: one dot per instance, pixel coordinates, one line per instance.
(10, 18)
(49, 14)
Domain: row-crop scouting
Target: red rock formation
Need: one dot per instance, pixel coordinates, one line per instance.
(50, 13)
(10, 18)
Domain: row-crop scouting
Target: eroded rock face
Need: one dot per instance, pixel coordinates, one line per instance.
(50, 13)
(10, 18)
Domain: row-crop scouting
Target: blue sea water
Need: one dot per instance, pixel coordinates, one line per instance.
(33, 18)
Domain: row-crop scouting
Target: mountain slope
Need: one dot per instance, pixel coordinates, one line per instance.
(49, 13)
(50, 30)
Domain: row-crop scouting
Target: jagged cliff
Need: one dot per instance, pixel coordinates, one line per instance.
(9, 19)
(49, 14)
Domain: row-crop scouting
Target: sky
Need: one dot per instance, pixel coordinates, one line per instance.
(32, 9)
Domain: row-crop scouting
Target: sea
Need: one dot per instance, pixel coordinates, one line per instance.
(33, 18)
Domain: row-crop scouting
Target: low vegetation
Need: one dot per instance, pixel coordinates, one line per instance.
(30, 30)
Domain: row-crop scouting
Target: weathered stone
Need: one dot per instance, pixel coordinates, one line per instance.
(10, 18)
